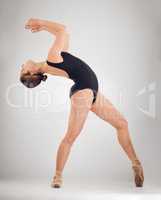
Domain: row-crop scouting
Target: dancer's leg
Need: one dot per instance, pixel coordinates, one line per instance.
(81, 103)
(106, 111)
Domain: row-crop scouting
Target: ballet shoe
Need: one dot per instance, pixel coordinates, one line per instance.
(138, 173)
(56, 182)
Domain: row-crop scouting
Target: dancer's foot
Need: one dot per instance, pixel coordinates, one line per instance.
(138, 173)
(57, 181)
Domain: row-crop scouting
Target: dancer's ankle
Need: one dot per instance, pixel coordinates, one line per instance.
(58, 173)
(136, 161)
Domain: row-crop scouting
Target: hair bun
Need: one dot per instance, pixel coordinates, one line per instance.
(44, 77)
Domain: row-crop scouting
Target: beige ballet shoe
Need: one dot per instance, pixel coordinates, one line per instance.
(56, 182)
(138, 173)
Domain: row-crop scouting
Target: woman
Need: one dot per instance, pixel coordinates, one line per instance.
(84, 95)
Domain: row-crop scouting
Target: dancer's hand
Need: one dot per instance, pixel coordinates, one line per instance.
(34, 25)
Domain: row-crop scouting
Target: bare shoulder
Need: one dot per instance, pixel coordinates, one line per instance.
(57, 57)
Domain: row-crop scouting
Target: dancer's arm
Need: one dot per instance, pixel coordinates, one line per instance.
(52, 27)
(61, 42)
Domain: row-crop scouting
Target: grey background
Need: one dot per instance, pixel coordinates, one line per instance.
(121, 41)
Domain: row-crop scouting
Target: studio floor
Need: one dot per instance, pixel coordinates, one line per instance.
(26, 190)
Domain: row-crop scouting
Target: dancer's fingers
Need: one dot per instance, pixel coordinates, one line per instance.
(34, 30)
(37, 29)
(27, 26)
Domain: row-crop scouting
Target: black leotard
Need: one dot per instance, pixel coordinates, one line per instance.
(79, 72)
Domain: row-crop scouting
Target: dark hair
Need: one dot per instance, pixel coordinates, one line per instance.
(32, 81)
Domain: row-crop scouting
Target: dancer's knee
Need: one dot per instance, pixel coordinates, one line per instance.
(122, 124)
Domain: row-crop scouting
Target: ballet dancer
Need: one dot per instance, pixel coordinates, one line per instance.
(84, 96)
